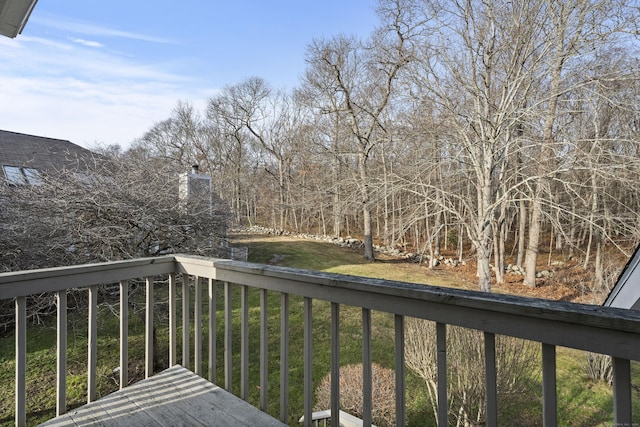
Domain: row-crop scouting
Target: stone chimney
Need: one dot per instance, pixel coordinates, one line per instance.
(195, 190)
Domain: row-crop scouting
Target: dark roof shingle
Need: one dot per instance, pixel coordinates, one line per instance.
(44, 154)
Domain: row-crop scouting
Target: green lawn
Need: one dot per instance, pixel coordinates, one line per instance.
(581, 402)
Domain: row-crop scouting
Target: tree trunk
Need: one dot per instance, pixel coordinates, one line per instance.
(592, 214)
(483, 250)
(387, 238)
(531, 258)
(499, 251)
(460, 248)
(522, 229)
(598, 280)
(498, 268)
(366, 209)
(436, 234)
(281, 193)
(484, 219)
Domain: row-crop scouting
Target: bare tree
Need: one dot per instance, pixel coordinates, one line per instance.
(571, 30)
(351, 384)
(123, 208)
(237, 154)
(516, 360)
(176, 139)
(477, 73)
(356, 81)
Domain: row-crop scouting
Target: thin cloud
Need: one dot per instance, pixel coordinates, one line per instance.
(93, 29)
(39, 40)
(36, 56)
(87, 43)
(86, 95)
(86, 112)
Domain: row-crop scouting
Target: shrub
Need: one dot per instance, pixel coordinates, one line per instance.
(383, 386)
(598, 367)
(516, 359)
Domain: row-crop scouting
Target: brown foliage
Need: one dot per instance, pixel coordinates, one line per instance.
(123, 208)
(383, 385)
(516, 360)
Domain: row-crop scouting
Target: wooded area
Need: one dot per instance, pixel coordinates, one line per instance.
(492, 129)
(480, 125)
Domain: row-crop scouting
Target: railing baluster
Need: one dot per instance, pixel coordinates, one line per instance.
(124, 334)
(441, 346)
(621, 392)
(490, 379)
(92, 343)
(399, 368)
(148, 326)
(308, 360)
(185, 323)
(244, 342)
(61, 350)
(21, 361)
(212, 331)
(264, 350)
(549, 399)
(367, 393)
(335, 364)
(228, 324)
(173, 337)
(197, 326)
(284, 357)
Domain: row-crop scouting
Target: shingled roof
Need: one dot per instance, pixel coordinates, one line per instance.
(41, 153)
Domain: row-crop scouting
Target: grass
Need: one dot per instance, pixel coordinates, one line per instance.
(314, 255)
(580, 402)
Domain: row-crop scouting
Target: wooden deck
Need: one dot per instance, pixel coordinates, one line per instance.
(174, 397)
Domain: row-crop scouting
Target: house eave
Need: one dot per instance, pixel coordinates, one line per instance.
(626, 291)
(14, 15)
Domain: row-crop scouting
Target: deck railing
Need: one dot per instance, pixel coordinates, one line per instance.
(595, 329)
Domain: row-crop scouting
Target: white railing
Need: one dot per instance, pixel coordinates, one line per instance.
(596, 329)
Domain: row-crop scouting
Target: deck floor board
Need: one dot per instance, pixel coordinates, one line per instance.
(175, 397)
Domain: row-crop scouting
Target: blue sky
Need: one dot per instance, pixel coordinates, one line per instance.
(97, 71)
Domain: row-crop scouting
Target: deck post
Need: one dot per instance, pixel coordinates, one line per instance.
(399, 368)
(284, 357)
(173, 337)
(335, 364)
(186, 357)
(212, 331)
(549, 393)
(622, 392)
(124, 333)
(92, 344)
(490, 379)
(148, 326)
(228, 326)
(197, 326)
(443, 406)
(308, 361)
(264, 349)
(21, 361)
(244, 342)
(61, 350)
(367, 374)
